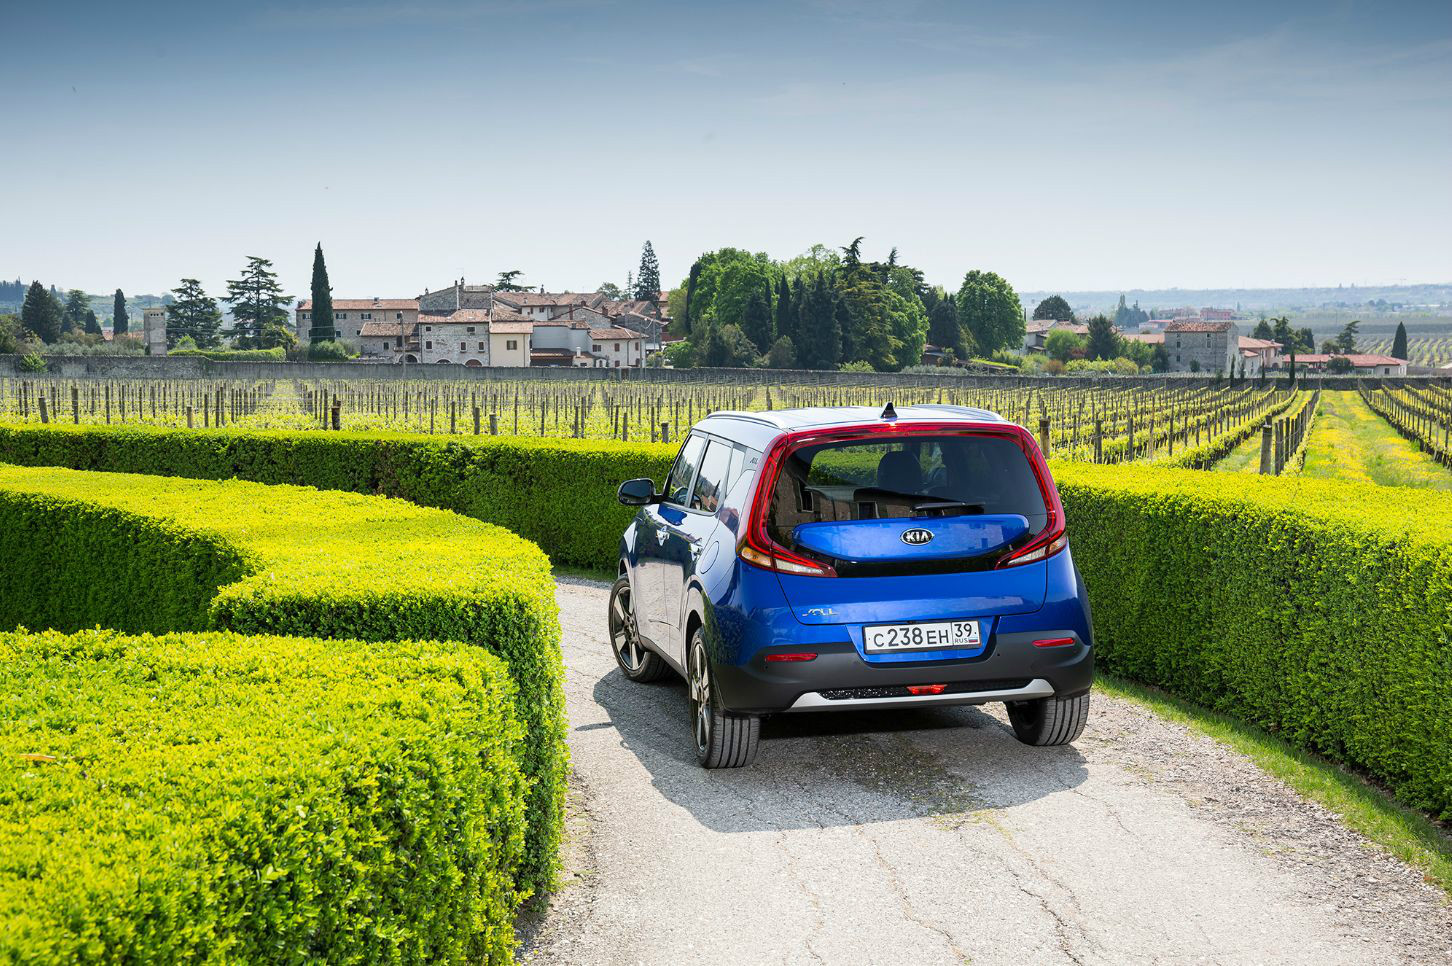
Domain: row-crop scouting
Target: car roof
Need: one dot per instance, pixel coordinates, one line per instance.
(778, 421)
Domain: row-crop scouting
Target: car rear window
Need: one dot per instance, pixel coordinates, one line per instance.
(911, 477)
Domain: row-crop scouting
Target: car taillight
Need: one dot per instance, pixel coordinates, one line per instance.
(797, 656)
(1054, 642)
(919, 690)
(783, 561)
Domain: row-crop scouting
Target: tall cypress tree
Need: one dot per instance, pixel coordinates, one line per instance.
(41, 313)
(756, 321)
(120, 321)
(93, 324)
(321, 328)
(785, 310)
(1399, 342)
(687, 317)
(647, 282)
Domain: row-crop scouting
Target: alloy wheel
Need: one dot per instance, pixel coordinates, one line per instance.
(624, 634)
(700, 693)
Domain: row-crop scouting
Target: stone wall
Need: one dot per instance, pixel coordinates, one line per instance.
(195, 367)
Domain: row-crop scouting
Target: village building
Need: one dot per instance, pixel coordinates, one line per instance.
(1362, 364)
(153, 323)
(1195, 345)
(351, 315)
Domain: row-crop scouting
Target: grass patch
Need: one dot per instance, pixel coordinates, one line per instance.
(1405, 833)
(1351, 442)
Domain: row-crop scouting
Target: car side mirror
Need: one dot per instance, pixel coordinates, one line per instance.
(637, 493)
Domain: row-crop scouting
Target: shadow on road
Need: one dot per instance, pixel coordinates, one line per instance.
(836, 768)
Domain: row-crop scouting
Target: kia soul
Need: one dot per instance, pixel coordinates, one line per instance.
(850, 558)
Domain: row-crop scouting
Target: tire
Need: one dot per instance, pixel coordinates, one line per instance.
(1049, 721)
(722, 739)
(638, 662)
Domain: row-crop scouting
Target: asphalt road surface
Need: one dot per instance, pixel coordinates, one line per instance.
(935, 837)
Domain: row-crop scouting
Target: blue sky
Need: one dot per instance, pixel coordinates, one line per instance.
(1064, 145)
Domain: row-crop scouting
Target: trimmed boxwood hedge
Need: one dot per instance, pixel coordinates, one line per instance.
(145, 553)
(1321, 610)
(210, 797)
(1316, 609)
(558, 493)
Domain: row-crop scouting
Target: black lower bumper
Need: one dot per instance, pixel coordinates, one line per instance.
(839, 677)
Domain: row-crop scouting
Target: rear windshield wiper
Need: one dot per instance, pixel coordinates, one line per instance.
(941, 506)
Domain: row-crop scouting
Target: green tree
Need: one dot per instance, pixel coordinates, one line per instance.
(193, 315)
(1306, 339)
(1160, 360)
(92, 324)
(41, 313)
(321, 328)
(989, 309)
(1347, 339)
(680, 355)
(1340, 365)
(784, 324)
(782, 355)
(12, 335)
(1281, 332)
(506, 282)
(120, 321)
(1061, 344)
(611, 291)
(688, 314)
(1399, 342)
(727, 347)
(723, 285)
(647, 281)
(811, 263)
(1054, 309)
(944, 330)
(257, 302)
(757, 322)
(1263, 331)
(1104, 342)
(818, 326)
(73, 316)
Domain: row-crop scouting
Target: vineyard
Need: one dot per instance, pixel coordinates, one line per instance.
(1167, 422)
(1422, 350)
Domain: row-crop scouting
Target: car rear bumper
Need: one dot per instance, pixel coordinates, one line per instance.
(1011, 669)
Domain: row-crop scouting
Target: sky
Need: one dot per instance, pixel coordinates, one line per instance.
(1061, 144)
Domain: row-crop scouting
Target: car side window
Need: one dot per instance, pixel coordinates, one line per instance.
(713, 482)
(678, 486)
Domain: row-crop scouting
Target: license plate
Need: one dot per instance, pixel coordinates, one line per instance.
(883, 638)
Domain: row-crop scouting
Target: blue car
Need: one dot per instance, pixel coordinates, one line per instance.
(850, 558)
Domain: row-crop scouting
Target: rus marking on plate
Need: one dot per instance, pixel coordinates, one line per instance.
(916, 537)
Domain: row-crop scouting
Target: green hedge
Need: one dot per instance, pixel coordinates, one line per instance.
(275, 354)
(1316, 609)
(219, 798)
(558, 493)
(144, 553)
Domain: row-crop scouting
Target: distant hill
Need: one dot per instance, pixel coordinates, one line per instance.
(1434, 300)
(12, 296)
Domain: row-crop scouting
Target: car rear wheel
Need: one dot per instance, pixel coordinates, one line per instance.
(637, 661)
(1049, 721)
(723, 739)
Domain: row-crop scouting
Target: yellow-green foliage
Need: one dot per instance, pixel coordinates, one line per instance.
(209, 797)
(144, 553)
(1351, 442)
(1319, 610)
(559, 493)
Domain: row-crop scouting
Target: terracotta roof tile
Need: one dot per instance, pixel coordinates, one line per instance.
(363, 305)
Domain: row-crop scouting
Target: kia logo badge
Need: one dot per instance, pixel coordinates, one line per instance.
(916, 537)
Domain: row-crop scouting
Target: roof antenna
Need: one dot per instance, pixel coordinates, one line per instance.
(888, 412)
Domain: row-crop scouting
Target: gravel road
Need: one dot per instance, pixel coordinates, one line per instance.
(935, 837)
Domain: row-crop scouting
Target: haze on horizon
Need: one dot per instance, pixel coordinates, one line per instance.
(1139, 145)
